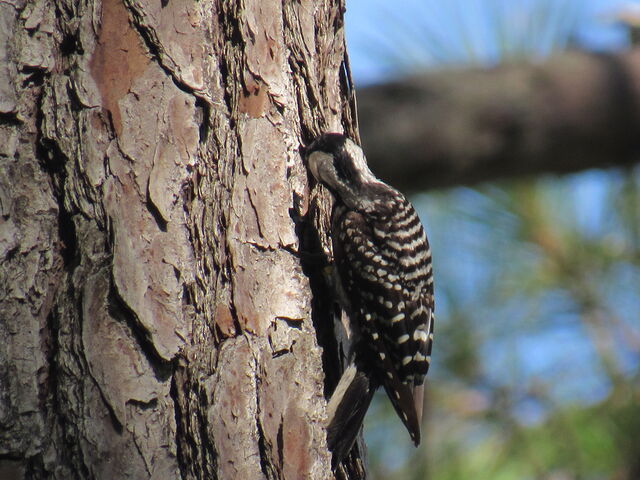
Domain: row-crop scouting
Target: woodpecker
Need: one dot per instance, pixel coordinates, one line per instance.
(384, 282)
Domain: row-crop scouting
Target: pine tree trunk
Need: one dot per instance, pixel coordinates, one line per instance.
(155, 317)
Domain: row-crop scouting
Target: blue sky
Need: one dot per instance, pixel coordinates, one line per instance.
(385, 37)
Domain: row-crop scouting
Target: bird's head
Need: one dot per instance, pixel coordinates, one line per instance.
(339, 164)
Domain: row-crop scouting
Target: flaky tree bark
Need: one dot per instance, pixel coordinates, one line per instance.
(572, 112)
(155, 317)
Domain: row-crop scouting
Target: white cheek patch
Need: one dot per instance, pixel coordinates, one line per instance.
(359, 161)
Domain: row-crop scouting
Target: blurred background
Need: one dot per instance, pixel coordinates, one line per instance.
(536, 361)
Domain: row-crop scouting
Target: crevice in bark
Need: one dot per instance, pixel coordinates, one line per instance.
(314, 262)
(151, 404)
(187, 297)
(120, 311)
(196, 454)
(204, 119)
(349, 92)
(228, 22)
(178, 414)
(209, 457)
(294, 323)
(34, 76)
(35, 467)
(51, 158)
(280, 440)
(11, 253)
(224, 75)
(53, 161)
(280, 353)
(155, 213)
(71, 44)
(264, 454)
(10, 119)
(68, 10)
(49, 154)
(68, 237)
(68, 449)
(74, 100)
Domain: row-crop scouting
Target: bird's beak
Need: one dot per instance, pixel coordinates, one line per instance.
(315, 161)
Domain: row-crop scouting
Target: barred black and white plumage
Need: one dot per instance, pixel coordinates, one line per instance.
(383, 261)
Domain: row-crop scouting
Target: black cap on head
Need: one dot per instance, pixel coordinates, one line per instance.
(327, 142)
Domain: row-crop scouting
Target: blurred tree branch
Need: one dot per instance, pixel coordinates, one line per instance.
(572, 112)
